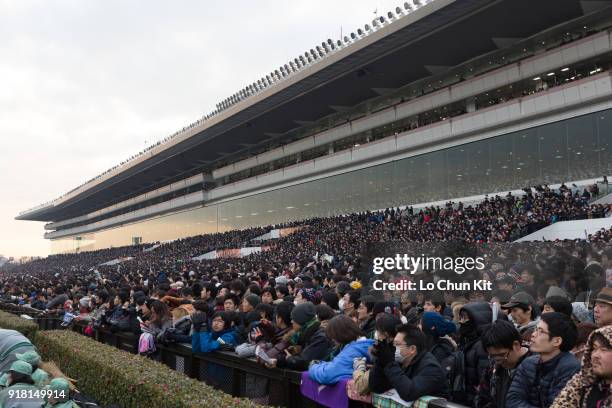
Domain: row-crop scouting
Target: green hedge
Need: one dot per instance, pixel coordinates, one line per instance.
(13, 322)
(117, 377)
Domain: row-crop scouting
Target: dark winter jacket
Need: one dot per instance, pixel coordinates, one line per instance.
(442, 348)
(494, 385)
(476, 359)
(424, 376)
(314, 346)
(537, 384)
(369, 327)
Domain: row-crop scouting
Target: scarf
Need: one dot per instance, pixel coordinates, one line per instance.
(295, 337)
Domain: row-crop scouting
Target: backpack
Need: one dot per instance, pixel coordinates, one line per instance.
(454, 368)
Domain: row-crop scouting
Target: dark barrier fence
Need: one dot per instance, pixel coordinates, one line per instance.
(238, 376)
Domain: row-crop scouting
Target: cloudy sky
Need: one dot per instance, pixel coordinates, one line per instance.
(85, 84)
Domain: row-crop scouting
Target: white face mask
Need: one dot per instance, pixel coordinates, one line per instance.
(398, 357)
(341, 304)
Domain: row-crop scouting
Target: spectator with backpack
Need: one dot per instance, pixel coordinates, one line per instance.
(506, 350)
(540, 378)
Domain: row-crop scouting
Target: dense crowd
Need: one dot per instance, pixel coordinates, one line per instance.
(541, 337)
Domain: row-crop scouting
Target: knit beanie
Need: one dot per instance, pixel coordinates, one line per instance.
(308, 294)
(436, 325)
(303, 313)
(253, 300)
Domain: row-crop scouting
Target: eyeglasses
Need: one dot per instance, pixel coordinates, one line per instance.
(500, 356)
(539, 330)
(400, 345)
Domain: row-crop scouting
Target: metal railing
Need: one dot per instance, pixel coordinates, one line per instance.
(238, 376)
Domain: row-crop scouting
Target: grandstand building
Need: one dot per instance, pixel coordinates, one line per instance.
(433, 101)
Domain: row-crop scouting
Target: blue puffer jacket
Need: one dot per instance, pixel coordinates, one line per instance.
(537, 384)
(342, 365)
(206, 342)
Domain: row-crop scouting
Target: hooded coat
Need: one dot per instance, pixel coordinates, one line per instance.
(476, 359)
(585, 389)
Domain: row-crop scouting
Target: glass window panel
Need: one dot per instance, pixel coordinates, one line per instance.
(502, 161)
(526, 158)
(582, 148)
(478, 156)
(604, 133)
(552, 140)
(458, 172)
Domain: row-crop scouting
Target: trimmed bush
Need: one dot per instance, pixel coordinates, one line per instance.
(13, 322)
(117, 377)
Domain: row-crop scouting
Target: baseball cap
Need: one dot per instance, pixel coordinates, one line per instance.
(519, 298)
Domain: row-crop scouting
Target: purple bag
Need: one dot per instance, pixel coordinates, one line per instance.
(332, 396)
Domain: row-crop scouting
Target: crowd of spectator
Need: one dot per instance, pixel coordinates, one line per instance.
(541, 337)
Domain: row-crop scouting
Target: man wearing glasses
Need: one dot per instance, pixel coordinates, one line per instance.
(591, 387)
(406, 366)
(503, 343)
(540, 378)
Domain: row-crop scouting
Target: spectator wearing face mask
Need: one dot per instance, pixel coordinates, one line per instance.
(385, 330)
(406, 366)
(473, 320)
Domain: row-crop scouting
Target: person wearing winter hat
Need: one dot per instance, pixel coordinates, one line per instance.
(580, 313)
(304, 295)
(19, 379)
(591, 386)
(281, 280)
(603, 308)
(438, 331)
(307, 343)
(59, 394)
